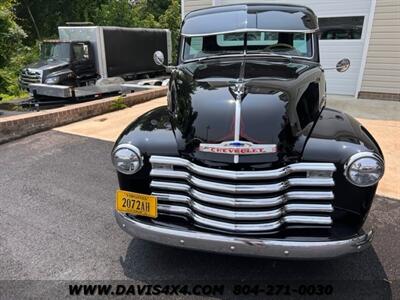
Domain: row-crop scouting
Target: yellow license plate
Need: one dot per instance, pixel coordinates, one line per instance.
(136, 204)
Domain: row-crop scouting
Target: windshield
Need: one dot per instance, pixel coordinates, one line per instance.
(55, 51)
(279, 43)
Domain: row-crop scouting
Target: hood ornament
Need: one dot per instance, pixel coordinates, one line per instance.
(238, 89)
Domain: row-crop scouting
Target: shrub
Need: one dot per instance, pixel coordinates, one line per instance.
(118, 103)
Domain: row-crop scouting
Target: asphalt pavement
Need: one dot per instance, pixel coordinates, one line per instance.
(57, 223)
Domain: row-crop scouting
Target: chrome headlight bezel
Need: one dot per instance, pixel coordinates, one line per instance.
(357, 157)
(135, 151)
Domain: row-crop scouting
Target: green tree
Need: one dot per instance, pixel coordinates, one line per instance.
(115, 13)
(157, 7)
(143, 13)
(125, 13)
(171, 19)
(49, 14)
(11, 49)
(11, 34)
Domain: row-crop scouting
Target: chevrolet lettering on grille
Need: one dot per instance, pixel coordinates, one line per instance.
(238, 148)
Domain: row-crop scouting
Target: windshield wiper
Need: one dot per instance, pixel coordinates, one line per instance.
(273, 54)
(269, 53)
(212, 57)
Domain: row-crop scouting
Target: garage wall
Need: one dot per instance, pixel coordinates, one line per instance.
(189, 5)
(334, 7)
(382, 70)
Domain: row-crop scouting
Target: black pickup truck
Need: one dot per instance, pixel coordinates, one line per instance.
(246, 158)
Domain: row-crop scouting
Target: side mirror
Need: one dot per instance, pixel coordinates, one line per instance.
(343, 65)
(158, 58)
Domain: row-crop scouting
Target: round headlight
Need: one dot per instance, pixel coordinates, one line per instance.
(127, 159)
(364, 169)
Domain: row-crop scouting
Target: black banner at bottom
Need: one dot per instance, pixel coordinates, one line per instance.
(97, 289)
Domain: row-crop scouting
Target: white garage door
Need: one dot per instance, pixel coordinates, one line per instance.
(344, 25)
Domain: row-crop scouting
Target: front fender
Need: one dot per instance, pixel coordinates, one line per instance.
(335, 138)
(66, 76)
(152, 133)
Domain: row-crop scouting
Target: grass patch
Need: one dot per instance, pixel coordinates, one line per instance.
(7, 98)
(118, 103)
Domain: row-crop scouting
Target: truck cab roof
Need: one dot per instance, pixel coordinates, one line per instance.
(250, 17)
(63, 41)
(52, 41)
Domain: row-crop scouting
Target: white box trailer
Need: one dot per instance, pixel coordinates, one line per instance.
(121, 51)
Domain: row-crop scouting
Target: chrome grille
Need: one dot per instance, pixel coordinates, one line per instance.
(244, 201)
(27, 77)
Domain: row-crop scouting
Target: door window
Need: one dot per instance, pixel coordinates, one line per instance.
(81, 51)
(341, 28)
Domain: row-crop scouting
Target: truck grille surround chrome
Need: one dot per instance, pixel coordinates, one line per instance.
(27, 77)
(244, 202)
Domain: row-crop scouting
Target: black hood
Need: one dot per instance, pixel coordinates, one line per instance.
(205, 106)
(47, 66)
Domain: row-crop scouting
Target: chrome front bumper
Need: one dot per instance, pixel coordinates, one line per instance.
(243, 246)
